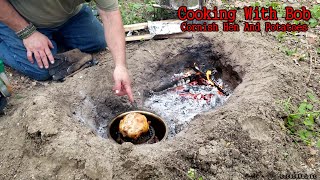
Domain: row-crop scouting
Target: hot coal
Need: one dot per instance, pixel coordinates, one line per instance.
(180, 104)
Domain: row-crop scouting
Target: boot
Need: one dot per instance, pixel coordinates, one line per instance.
(68, 63)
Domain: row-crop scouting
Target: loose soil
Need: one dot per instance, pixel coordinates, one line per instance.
(49, 130)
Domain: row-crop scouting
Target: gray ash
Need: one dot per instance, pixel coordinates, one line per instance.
(180, 104)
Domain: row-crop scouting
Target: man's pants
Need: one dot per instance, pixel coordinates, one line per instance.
(82, 31)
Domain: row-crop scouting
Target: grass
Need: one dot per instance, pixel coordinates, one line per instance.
(290, 52)
(132, 12)
(193, 175)
(280, 8)
(136, 12)
(315, 12)
(303, 120)
(281, 36)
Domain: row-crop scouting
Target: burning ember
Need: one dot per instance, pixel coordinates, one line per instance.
(187, 95)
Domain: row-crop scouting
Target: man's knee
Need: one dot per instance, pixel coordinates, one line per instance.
(17, 60)
(100, 44)
(95, 44)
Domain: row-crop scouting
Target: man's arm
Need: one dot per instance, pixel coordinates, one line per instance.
(11, 17)
(114, 33)
(37, 44)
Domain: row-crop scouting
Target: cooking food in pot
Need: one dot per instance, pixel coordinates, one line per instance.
(133, 125)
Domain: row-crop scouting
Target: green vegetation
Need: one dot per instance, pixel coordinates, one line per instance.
(315, 12)
(290, 52)
(137, 12)
(133, 12)
(280, 8)
(281, 36)
(254, 4)
(318, 50)
(285, 49)
(303, 121)
(192, 174)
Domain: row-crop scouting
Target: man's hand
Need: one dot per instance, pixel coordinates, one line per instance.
(122, 82)
(39, 45)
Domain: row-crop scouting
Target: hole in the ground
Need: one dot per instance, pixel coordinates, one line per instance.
(196, 80)
(193, 82)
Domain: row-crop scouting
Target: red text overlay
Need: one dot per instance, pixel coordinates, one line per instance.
(204, 19)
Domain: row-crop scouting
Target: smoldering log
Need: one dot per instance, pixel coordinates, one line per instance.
(171, 84)
(176, 83)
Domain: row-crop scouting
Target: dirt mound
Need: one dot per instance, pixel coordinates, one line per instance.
(42, 138)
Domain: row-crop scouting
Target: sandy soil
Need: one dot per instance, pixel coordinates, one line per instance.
(47, 132)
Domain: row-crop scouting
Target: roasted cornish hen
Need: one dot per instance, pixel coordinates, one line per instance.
(133, 125)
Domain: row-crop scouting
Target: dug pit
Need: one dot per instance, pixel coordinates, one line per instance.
(196, 83)
(42, 138)
(181, 86)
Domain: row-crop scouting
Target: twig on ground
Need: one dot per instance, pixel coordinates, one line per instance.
(296, 62)
(313, 61)
(150, 53)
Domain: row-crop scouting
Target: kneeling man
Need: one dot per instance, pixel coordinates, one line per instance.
(32, 31)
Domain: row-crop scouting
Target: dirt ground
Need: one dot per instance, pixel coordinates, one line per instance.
(48, 130)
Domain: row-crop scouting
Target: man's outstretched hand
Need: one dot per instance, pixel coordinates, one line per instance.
(122, 82)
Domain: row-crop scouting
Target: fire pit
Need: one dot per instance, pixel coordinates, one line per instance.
(192, 83)
(194, 90)
(158, 130)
